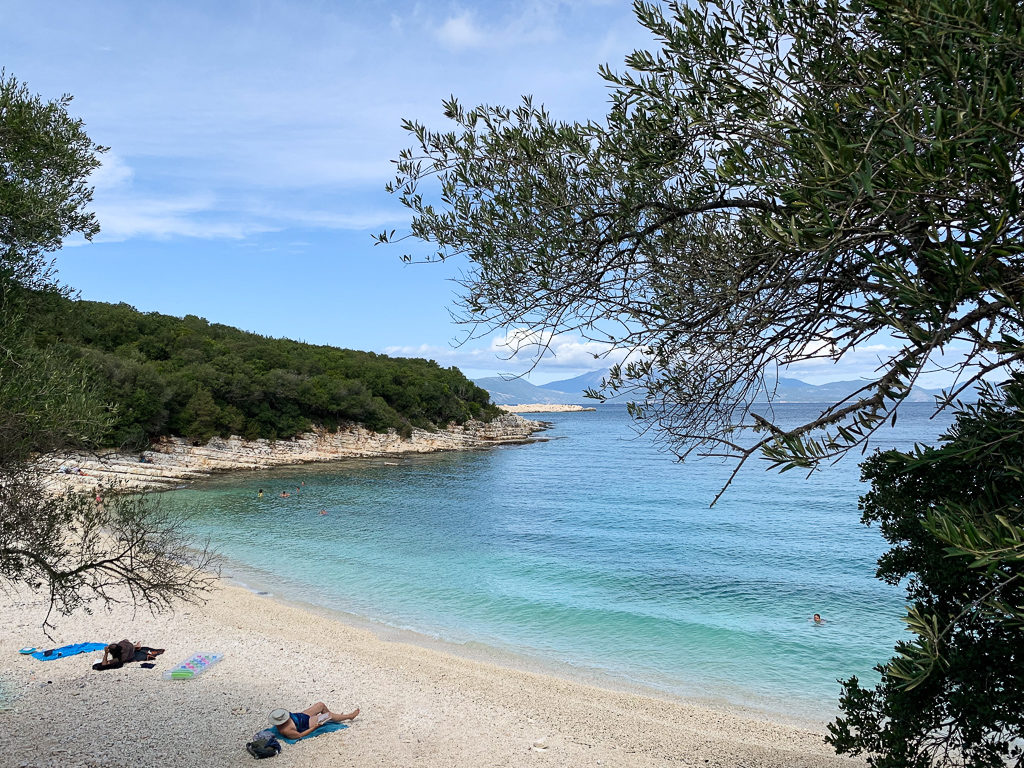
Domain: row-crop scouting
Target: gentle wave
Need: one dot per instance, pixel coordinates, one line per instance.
(597, 551)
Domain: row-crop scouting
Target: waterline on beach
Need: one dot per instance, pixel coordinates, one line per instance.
(521, 659)
(420, 707)
(594, 553)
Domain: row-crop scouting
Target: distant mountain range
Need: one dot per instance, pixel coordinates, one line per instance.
(520, 391)
(567, 391)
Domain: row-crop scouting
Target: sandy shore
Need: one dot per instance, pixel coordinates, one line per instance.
(420, 707)
(545, 408)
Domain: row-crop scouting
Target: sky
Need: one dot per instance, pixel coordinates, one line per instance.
(250, 143)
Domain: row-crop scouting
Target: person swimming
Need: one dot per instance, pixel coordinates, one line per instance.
(817, 619)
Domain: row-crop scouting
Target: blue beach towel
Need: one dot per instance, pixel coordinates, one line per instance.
(68, 650)
(326, 728)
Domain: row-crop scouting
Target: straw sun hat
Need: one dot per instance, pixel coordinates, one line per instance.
(279, 717)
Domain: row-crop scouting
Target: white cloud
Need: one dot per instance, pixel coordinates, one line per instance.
(534, 23)
(439, 353)
(277, 103)
(124, 212)
(122, 218)
(567, 355)
(357, 220)
(461, 32)
(204, 216)
(555, 351)
(113, 173)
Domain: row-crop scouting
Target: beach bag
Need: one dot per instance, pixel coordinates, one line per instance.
(263, 744)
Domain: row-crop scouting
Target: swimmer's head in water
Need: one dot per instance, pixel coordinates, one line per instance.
(817, 618)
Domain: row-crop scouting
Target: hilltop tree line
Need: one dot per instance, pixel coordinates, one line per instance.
(163, 375)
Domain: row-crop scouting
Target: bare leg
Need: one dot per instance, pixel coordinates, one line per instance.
(337, 717)
(316, 709)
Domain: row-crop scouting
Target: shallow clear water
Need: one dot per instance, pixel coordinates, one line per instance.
(594, 549)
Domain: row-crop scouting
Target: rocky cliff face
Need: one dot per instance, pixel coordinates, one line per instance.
(171, 461)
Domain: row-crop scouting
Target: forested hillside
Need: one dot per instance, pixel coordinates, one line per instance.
(168, 375)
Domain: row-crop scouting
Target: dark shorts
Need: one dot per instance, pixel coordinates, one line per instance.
(301, 720)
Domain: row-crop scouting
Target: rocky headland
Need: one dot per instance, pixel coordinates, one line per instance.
(172, 461)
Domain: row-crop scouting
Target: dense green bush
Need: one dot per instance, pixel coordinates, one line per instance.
(184, 376)
(953, 693)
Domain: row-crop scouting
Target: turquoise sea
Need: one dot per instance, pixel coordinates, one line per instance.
(594, 552)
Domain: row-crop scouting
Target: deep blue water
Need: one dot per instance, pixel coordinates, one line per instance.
(593, 549)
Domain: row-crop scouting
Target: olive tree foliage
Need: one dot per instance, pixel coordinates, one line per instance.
(63, 544)
(954, 515)
(778, 181)
(45, 161)
(127, 549)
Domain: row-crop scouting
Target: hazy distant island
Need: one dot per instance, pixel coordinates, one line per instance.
(514, 391)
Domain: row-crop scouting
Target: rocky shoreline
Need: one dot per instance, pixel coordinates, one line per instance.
(173, 461)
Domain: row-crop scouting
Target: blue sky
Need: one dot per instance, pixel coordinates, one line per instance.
(251, 141)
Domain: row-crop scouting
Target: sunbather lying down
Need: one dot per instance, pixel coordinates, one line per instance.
(295, 725)
(124, 651)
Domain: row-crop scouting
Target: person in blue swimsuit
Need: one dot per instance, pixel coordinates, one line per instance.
(295, 725)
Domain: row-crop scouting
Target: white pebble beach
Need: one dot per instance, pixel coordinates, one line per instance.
(420, 706)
